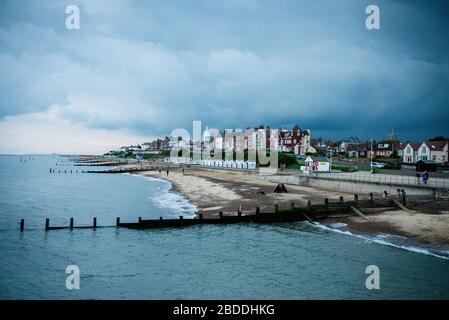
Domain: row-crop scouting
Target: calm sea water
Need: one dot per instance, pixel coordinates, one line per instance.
(284, 261)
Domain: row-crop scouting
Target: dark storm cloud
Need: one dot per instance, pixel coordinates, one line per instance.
(155, 66)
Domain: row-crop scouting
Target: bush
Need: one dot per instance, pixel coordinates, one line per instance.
(286, 159)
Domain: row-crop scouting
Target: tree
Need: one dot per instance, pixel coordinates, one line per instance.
(438, 138)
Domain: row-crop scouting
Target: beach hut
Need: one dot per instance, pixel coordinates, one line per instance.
(251, 165)
(319, 164)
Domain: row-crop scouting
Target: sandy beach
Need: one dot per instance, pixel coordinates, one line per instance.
(214, 190)
(223, 190)
(421, 227)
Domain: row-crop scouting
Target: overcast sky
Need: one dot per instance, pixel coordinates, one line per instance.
(139, 69)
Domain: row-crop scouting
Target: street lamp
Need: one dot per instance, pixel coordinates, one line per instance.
(371, 162)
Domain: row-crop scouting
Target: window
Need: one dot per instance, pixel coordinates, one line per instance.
(423, 149)
(434, 157)
(408, 150)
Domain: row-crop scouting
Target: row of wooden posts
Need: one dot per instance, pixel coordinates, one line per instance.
(66, 171)
(400, 194)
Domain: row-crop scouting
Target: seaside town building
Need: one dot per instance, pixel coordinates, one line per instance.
(295, 141)
(359, 150)
(430, 150)
(433, 150)
(386, 148)
(410, 152)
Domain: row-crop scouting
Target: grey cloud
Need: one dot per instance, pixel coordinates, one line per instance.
(151, 67)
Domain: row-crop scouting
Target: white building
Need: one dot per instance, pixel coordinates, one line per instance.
(410, 152)
(433, 150)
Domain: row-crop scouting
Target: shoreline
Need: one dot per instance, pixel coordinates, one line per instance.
(227, 191)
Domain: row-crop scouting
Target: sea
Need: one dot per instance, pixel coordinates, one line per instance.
(242, 261)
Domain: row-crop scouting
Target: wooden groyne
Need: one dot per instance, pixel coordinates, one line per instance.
(311, 212)
(102, 164)
(121, 170)
(134, 169)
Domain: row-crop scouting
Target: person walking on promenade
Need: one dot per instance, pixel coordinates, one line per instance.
(418, 178)
(425, 177)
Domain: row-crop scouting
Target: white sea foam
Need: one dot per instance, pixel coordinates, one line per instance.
(167, 199)
(386, 239)
(338, 225)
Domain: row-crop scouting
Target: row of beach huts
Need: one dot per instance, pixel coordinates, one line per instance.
(245, 165)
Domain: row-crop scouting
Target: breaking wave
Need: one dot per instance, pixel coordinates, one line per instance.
(167, 199)
(384, 239)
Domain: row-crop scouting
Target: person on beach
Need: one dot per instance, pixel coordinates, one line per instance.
(418, 178)
(167, 172)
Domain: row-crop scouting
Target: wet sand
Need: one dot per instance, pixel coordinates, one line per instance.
(420, 227)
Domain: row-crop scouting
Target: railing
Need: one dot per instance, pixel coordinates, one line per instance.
(382, 179)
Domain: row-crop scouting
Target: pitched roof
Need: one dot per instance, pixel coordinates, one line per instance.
(319, 159)
(414, 145)
(436, 145)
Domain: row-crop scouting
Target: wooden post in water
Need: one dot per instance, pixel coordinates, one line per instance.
(117, 221)
(160, 218)
(309, 204)
(22, 224)
(201, 216)
(95, 222)
(140, 219)
(71, 223)
(220, 214)
(47, 224)
(341, 199)
(181, 217)
(276, 208)
(326, 202)
(257, 210)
